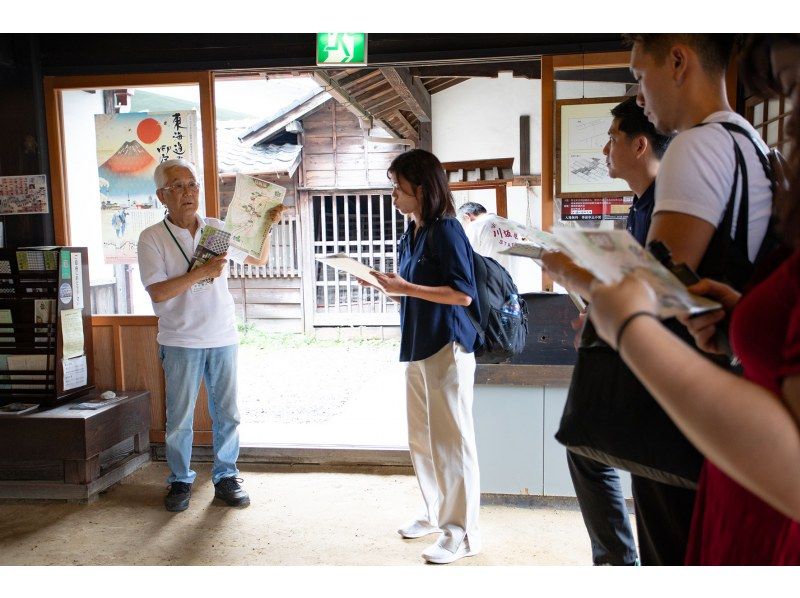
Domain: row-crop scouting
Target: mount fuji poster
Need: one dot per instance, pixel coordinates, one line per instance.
(129, 147)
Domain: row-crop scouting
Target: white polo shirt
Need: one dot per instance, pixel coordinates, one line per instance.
(195, 320)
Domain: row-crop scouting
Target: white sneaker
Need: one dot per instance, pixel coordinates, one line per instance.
(437, 553)
(417, 529)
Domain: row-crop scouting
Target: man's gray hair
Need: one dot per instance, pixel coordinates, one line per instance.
(471, 207)
(160, 175)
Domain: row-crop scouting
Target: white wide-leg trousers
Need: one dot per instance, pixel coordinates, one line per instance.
(441, 437)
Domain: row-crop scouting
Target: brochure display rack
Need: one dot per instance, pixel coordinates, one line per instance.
(45, 325)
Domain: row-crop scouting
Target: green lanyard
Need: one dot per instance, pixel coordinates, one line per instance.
(183, 253)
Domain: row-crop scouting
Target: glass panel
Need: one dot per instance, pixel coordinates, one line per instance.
(758, 113)
(774, 108)
(787, 105)
(113, 140)
(772, 133)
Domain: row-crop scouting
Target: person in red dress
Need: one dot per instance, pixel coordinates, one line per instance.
(747, 509)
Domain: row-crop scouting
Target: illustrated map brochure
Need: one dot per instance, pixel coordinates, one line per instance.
(612, 255)
(248, 220)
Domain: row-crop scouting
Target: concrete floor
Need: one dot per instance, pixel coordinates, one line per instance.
(296, 518)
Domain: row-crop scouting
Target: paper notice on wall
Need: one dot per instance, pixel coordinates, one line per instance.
(77, 281)
(72, 332)
(75, 372)
(23, 194)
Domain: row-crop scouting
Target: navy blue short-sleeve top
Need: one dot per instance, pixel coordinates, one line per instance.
(445, 260)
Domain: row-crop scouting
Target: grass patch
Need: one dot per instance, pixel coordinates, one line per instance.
(249, 335)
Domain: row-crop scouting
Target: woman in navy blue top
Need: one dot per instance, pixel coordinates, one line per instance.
(437, 284)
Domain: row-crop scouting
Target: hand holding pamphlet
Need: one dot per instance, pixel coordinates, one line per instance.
(612, 255)
(342, 261)
(213, 242)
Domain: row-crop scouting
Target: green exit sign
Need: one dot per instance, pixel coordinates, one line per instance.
(341, 48)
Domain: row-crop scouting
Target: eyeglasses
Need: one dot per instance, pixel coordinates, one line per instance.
(192, 187)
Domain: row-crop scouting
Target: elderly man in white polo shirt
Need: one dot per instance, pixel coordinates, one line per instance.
(196, 334)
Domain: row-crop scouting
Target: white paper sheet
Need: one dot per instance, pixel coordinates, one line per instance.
(352, 266)
(75, 372)
(72, 332)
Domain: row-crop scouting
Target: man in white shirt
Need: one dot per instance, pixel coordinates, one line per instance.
(682, 89)
(485, 234)
(197, 334)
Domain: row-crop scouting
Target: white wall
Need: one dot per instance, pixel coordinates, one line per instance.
(83, 187)
(479, 119)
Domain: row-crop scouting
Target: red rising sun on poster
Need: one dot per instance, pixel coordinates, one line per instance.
(148, 130)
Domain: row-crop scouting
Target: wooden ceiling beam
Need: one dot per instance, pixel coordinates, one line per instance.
(380, 84)
(412, 132)
(361, 74)
(530, 69)
(381, 108)
(442, 84)
(412, 91)
(592, 60)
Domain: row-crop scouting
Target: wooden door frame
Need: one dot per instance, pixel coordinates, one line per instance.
(53, 86)
(551, 64)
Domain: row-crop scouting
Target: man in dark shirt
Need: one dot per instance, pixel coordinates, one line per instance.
(633, 153)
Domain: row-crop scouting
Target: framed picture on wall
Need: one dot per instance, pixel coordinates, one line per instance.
(581, 133)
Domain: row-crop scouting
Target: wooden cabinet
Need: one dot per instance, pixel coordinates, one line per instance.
(64, 453)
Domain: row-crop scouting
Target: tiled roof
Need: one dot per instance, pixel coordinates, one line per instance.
(234, 156)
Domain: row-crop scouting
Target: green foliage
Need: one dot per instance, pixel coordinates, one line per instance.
(277, 341)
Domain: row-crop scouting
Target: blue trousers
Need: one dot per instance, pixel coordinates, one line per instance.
(183, 369)
(604, 511)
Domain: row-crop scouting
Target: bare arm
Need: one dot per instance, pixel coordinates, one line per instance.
(687, 237)
(743, 428)
(392, 283)
(171, 288)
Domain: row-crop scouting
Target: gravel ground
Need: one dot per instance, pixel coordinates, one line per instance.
(310, 381)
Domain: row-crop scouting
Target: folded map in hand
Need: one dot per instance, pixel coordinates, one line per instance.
(213, 242)
(610, 255)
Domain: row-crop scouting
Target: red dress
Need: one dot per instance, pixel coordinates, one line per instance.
(731, 526)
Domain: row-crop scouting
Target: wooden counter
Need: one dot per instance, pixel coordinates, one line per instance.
(507, 374)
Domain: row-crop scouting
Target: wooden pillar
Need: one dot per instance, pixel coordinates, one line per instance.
(58, 187)
(208, 118)
(548, 154)
(501, 200)
(524, 145)
(425, 136)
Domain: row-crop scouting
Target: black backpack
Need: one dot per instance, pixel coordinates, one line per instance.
(502, 335)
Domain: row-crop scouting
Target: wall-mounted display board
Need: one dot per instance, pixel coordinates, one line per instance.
(45, 325)
(581, 133)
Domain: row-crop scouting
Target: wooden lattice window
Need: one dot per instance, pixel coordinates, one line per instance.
(769, 117)
(364, 225)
